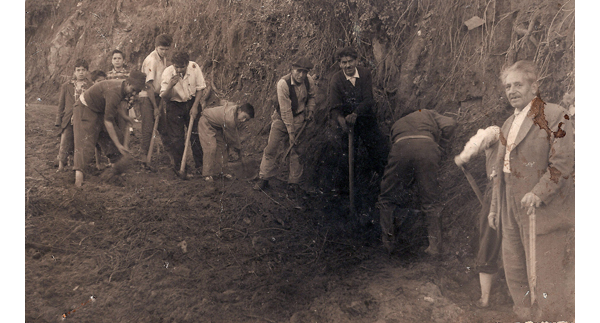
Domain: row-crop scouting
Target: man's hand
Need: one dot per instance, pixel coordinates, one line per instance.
(351, 119)
(309, 117)
(458, 161)
(493, 220)
(156, 113)
(530, 200)
(174, 79)
(342, 123)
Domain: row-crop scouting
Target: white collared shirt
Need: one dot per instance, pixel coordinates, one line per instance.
(512, 135)
(153, 67)
(186, 88)
(352, 78)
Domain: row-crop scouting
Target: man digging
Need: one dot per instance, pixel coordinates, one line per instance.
(296, 105)
(94, 121)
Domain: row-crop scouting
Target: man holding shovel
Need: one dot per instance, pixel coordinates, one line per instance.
(153, 66)
(182, 89)
(351, 106)
(533, 199)
(490, 239)
(296, 106)
(94, 121)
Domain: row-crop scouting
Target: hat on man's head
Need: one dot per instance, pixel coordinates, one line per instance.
(303, 63)
(137, 79)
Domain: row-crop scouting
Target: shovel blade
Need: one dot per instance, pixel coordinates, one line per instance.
(247, 170)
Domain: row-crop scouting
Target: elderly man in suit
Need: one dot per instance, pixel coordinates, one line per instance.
(536, 159)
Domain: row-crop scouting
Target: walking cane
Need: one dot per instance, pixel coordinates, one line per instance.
(351, 168)
(532, 257)
(187, 147)
(149, 157)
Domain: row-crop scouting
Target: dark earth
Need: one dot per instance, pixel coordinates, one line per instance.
(151, 247)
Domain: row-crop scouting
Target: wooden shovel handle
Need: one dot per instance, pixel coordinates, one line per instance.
(187, 145)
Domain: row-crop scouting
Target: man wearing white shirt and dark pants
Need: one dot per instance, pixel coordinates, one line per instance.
(182, 88)
(537, 162)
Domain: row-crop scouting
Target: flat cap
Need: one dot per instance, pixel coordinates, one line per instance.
(303, 63)
(137, 79)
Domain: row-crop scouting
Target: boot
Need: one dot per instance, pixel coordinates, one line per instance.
(434, 234)
(386, 220)
(261, 185)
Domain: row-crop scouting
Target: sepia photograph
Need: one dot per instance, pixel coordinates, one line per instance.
(381, 161)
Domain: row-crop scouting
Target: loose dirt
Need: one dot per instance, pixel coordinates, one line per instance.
(154, 248)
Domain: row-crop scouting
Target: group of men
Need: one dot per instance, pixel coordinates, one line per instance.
(350, 106)
(530, 164)
(175, 94)
(530, 159)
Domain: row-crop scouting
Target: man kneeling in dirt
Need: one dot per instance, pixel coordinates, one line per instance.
(217, 126)
(94, 116)
(418, 140)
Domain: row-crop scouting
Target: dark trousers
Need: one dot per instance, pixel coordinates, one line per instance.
(178, 118)
(368, 139)
(67, 143)
(89, 130)
(147, 116)
(367, 131)
(490, 240)
(411, 161)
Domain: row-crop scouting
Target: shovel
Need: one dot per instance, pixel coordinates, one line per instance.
(351, 169)
(287, 152)
(473, 184)
(149, 157)
(182, 174)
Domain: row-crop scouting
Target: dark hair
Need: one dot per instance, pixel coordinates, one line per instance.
(248, 108)
(346, 51)
(163, 40)
(180, 58)
(116, 51)
(97, 74)
(82, 62)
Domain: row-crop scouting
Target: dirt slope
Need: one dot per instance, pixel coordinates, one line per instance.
(154, 248)
(252, 257)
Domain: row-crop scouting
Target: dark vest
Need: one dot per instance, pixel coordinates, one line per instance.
(293, 96)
